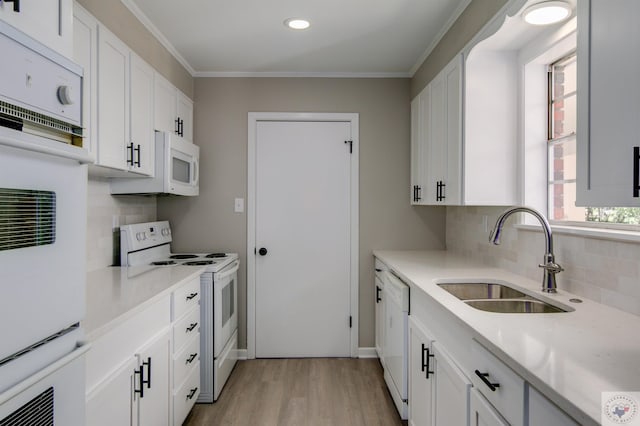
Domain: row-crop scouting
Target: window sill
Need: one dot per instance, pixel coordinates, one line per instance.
(600, 234)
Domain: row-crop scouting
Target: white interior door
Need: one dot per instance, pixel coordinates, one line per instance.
(303, 219)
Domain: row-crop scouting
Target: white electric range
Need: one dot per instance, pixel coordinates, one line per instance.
(150, 244)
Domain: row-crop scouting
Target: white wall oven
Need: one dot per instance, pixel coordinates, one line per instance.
(43, 189)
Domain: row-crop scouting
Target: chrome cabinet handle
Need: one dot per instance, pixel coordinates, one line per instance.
(192, 326)
(191, 296)
(148, 381)
(191, 358)
(484, 378)
(140, 373)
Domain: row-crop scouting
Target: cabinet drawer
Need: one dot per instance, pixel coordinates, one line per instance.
(184, 298)
(186, 360)
(186, 396)
(508, 397)
(380, 266)
(186, 328)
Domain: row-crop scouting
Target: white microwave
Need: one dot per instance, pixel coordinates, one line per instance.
(176, 170)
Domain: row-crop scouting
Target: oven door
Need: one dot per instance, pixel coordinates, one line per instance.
(43, 201)
(183, 173)
(225, 300)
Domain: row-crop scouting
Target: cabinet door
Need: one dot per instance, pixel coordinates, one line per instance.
(421, 375)
(436, 143)
(49, 22)
(113, 100)
(154, 402)
(112, 401)
(452, 75)
(483, 414)
(185, 115)
(85, 53)
(379, 316)
(451, 391)
(608, 103)
(420, 128)
(165, 102)
(141, 103)
(543, 412)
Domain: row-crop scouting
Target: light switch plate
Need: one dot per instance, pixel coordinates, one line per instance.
(238, 206)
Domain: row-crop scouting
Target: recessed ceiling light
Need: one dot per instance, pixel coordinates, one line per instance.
(546, 13)
(297, 23)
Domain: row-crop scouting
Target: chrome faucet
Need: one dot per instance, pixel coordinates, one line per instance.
(551, 268)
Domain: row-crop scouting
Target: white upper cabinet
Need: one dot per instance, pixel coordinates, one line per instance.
(185, 115)
(113, 101)
(49, 22)
(437, 138)
(608, 169)
(85, 54)
(142, 138)
(173, 110)
(117, 113)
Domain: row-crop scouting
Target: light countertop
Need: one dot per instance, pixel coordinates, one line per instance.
(571, 357)
(115, 294)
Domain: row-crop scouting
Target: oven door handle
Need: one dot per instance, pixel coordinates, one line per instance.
(232, 269)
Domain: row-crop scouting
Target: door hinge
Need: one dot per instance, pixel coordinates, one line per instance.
(350, 146)
(350, 321)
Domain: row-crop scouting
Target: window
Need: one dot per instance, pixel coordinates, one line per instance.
(561, 146)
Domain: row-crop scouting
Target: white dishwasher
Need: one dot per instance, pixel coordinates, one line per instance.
(396, 331)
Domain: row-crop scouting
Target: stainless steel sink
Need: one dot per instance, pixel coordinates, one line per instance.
(493, 297)
(471, 291)
(518, 306)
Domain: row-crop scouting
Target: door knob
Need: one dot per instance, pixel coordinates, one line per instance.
(262, 251)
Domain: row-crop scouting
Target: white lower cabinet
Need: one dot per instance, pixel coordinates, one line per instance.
(543, 412)
(128, 372)
(438, 390)
(146, 370)
(111, 402)
(483, 414)
(421, 375)
(153, 382)
(451, 395)
(185, 318)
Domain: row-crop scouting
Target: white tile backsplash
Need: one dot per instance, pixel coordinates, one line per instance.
(103, 212)
(605, 271)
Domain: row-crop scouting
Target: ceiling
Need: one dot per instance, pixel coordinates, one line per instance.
(377, 38)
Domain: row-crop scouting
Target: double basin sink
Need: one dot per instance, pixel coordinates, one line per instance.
(493, 297)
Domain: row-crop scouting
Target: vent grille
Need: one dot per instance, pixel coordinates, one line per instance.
(37, 412)
(42, 120)
(27, 218)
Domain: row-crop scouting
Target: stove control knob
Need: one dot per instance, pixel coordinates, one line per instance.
(139, 236)
(165, 232)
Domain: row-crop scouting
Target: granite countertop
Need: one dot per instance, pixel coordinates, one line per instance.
(117, 293)
(590, 350)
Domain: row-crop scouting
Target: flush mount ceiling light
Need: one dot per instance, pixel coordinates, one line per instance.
(297, 23)
(546, 13)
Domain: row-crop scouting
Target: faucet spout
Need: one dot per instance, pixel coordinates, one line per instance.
(550, 267)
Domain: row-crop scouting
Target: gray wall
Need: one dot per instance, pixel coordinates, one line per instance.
(387, 221)
(474, 17)
(126, 26)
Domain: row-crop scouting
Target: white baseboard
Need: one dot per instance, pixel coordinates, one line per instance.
(362, 353)
(367, 353)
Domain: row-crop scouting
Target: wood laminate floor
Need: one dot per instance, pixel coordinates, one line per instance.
(310, 391)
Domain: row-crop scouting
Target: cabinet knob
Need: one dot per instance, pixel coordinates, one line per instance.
(65, 95)
(263, 251)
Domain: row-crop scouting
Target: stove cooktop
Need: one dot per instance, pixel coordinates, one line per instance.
(215, 261)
